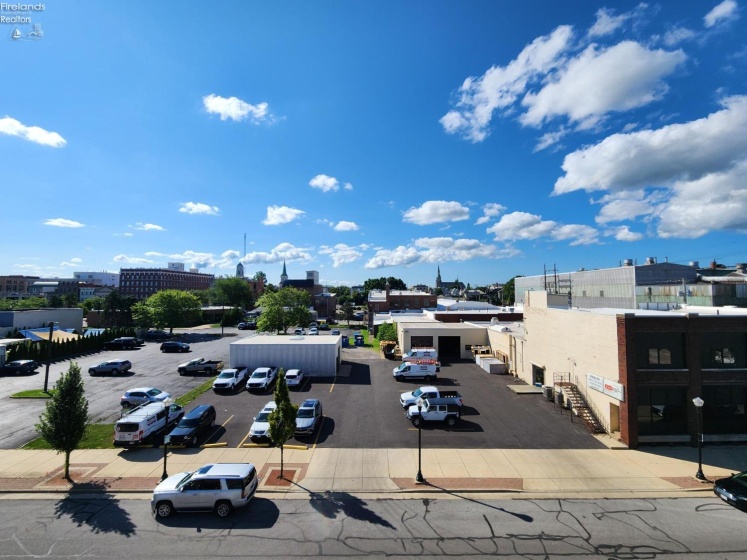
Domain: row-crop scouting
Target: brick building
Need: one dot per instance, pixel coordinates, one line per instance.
(144, 282)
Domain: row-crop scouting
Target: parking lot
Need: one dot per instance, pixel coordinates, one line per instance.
(361, 404)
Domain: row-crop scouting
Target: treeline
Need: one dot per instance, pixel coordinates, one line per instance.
(42, 350)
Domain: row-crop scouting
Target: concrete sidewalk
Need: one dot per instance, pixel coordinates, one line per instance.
(390, 473)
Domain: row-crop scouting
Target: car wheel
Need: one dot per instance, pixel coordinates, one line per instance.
(398, 378)
(181, 372)
(212, 423)
(164, 509)
(223, 509)
(416, 422)
(451, 421)
(91, 372)
(193, 441)
(209, 371)
(115, 372)
(428, 378)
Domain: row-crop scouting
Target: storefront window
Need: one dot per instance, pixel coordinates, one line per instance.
(661, 411)
(724, 410)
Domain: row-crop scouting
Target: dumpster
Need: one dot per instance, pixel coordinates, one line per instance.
(345, 342)
(359, 340)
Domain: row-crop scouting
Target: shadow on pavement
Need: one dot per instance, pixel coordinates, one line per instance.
(260, 513)
(523, 517)
(101, 514)
(330, 504)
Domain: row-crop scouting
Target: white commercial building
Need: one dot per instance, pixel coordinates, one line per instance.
(318, 356)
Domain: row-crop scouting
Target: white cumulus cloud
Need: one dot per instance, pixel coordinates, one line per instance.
(489, 211)
(236, 109)
(75, 261)
(659, 157)
(599, 81)
(343, 225)
(278, 215)
(623, 233)
(62, 222)
(725, 11)
(12, 127)
(436, 250)
(148, 227)
(341, 254)
(436, 211)
(606, 22)
(517, 226)
(131, 260)
(325, 183)
(199, 208)
(280, 253)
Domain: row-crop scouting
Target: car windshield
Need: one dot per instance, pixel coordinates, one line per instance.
(188, 423)
(153, 392)
(417, 393)
(259, 375)
(184, 480)
(305, 413)
(226, 375)
(262, 416)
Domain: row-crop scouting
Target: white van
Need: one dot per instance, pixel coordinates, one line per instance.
(144, 423)
(420, 354)
(421, 369)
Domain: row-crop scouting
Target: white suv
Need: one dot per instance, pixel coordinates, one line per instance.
(260, 429)
(219, 487)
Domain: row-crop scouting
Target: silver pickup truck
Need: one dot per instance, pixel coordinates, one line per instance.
(200, 365)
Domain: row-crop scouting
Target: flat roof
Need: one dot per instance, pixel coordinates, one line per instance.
(439, 325)
(287, 340)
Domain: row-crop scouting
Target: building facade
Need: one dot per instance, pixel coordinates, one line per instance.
(16, 286)
(142, 283)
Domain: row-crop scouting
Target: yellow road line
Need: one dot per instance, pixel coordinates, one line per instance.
(227, 421)
(243, 440)
(333, 384)
(318, 432)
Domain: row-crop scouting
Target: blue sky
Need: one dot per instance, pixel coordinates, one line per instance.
(364, 139)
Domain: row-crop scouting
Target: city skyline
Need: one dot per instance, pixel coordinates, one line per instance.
(369, 140)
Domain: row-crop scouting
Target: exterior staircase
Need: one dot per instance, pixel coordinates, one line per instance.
(577, 402)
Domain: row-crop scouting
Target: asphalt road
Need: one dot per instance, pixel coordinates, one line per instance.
(338, 525)
(361, 404)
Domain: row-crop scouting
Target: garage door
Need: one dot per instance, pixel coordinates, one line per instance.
(449, 348)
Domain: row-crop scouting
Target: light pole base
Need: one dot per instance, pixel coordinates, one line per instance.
(700, 476)
(419, 479)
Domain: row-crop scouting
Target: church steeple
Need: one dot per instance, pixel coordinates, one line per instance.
(284, 275)
(438, 279)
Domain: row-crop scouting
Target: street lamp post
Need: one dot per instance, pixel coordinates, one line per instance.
(698, 402)
(166, 441)
(49, 355)
(419, 477)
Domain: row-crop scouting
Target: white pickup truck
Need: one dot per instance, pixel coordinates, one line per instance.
(422, 369)
(435, 410)
(411, 397)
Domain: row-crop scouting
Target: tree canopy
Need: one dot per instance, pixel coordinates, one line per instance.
(387, 331)
(233, 291)
(509, 295)
(63, 423)
(168, 309)
(283, 419)
(380, 284)
(283, 309)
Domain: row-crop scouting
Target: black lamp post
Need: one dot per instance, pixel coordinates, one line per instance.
(166, 441)
(419, 477)
(49, 355)
(698, 402)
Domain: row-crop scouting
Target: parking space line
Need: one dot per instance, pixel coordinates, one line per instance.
(333, 384)
(243, 440)
(318, 432)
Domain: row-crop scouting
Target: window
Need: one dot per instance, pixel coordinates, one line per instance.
(724, 410)
(723, 356)
(662, 411)
(601, 293)
(659, 356)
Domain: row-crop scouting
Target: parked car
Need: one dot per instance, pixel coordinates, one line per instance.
(113, 367)
(141, 395)
(200, 365)
(19, 366)
(219, 487)
(230, 380)
(174, 346)
(733, 490)
(123, 343)
(299, 332)
(308, 417)
(295, 378)
(193, 425)
(158, 335)
(145, 424)
(435, 410)
(262, 379)
(260, 429)
(313, 331)
(425, 369)
(412, 397)
(336, 331)
(247, 326)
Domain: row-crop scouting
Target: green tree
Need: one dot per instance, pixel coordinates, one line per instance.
(233, 291)
(170, 308)
(380, 284)
(342, 293)
(93, 303)
(260, 275)
(70, 300)
(284, 309)
(63, 424)
(387, 331)
(283, 419)
(348, 311)
(509, 295)
(55, 301)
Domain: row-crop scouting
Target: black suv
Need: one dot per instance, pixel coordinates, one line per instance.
(174, 346)
(192, 425)
(157, 335)
(122, 343)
